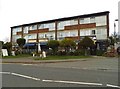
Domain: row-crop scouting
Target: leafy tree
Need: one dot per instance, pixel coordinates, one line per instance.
(54, 45)
(67, 44)
(21, 42)
(86, 43)
(8, 46)
(112, 40)
(1, 42)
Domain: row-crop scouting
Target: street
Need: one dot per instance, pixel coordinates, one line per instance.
(58, 75)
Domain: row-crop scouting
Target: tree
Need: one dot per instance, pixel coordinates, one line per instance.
(1, 42)
(112, 40)
(54, 45)
(86, 43)
(8, 46)
(21, 42)
(67, 44)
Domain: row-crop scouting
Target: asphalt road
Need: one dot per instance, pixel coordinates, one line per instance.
(57, 75)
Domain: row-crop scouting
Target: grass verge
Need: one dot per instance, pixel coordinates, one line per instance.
(17, 56)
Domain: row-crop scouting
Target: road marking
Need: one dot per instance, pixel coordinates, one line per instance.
(109, 85)
(25, 76)
(59, 81)
(72, 82)
(4, 72)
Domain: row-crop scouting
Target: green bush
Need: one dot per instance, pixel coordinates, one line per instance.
(60, 53)
(79, 52)
(99, 52)
(70, 53)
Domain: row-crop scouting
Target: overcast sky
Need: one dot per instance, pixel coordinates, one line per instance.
(17, 12)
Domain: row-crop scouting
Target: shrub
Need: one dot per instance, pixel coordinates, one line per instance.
(79, 52)
(60, 53)
(99, 52)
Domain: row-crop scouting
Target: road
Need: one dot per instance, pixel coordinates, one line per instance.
(87, 73)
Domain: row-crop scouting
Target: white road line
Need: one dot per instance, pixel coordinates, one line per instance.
(72, 82)
(24, 76)
(4, 72)
(109, 85)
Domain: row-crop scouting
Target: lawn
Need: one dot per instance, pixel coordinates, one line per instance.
(47, 58)
(17, 56)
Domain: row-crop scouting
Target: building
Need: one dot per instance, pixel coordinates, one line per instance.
(95, 25)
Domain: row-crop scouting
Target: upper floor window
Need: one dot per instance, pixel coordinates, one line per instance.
(61, 24)
(40, 26)
(51, 26)
(15, 30)
(101, 20)
(33, 27)
(92, 19)
(25, 29)
(74, 21)
(32, 36)
(85, 20)
(82, 21)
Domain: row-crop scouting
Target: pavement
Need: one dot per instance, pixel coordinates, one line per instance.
(95, 62)
(30, 60)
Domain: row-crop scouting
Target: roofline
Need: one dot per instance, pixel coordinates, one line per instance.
(65, 18)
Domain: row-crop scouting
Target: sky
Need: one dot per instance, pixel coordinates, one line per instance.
(17, 12)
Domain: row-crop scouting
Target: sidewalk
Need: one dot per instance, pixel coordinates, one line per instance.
(30, 60)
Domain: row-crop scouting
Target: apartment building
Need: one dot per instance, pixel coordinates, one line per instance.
(95, 25)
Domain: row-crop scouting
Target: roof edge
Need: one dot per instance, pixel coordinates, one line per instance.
(65, 18)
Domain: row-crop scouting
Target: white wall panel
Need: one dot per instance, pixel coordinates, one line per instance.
(101, 20)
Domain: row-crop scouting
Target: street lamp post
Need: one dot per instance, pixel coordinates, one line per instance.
(115, 32)
(115, 27)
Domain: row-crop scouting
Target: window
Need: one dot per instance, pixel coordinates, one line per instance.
(32, 36)
(86, 20)
(85, 32)
(93, 32)
(74, 33)
(51, 26)
(74, 21)
(61, 25)
(82, 33)
(15, 30)
(45, 35)
(82, 21)
(18, 29)
(68, 22)
(33, 27)
(40, 26)
(101, 20)
(25, 29)
(92, 19)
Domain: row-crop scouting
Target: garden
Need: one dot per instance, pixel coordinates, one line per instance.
(64, 49)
